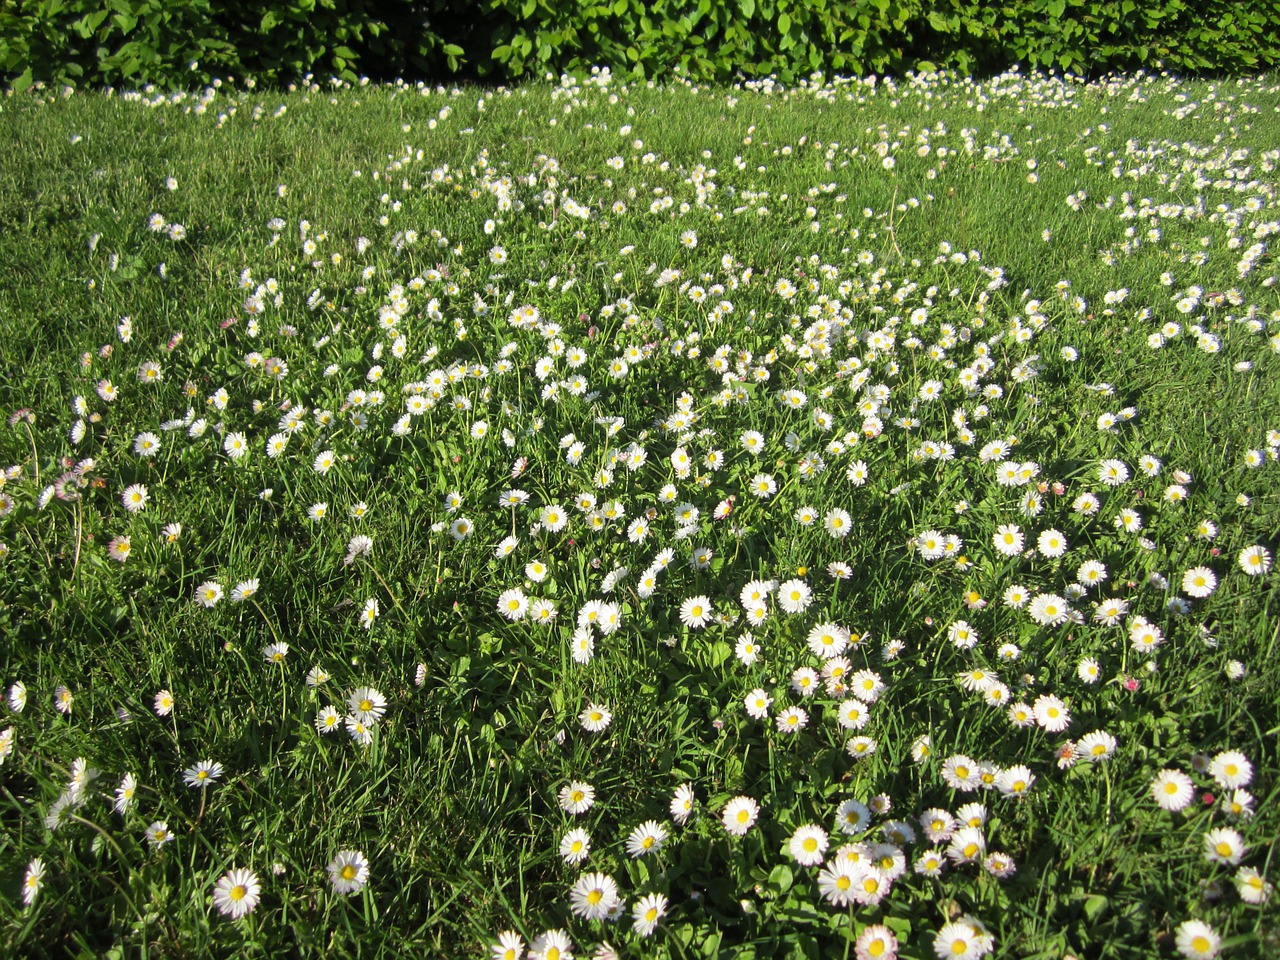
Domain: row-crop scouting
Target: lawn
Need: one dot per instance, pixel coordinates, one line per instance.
(634, 520)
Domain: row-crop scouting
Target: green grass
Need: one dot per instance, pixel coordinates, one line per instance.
(454, 802)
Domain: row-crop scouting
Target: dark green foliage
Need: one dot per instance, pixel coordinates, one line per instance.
(188, 42)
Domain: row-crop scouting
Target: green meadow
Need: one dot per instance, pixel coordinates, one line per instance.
(605, 519)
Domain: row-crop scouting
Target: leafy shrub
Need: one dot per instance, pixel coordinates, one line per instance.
(186, 42)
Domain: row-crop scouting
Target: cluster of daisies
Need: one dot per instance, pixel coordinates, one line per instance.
(814, 397)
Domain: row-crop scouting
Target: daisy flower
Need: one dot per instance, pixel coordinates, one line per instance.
(1113, 472)
(119, 549)
(202, 774)
(739, 815)
(551, 945)
(577, 797)
(1048, 609)
(236, 446)
(237, 893)
(696, 612)
(367, 705)
(163, 703)
(808, 845)
(595, 718)
(508, 947)
(1231, 769)
(244, 590)
(682, 803)
(158, 834)
(876, 942)
(837, 882)
(1008, 539)
(328, 720)
(575, 846)
(791, 720)
(1172, 790)
(1196, 940)
(1224, 845)
(348, 872)
(125, 793)
(794, 596)
(1096, 746)
(135, 498)
(962, 940)
(1251, 886)
(208, 593)
(646, 913)
(32, 881)
(1051, 713)
(1199, 582)
(1255, 560)
(646, 839)
(594, 896)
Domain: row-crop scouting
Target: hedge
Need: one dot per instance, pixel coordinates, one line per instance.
(187, 43)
